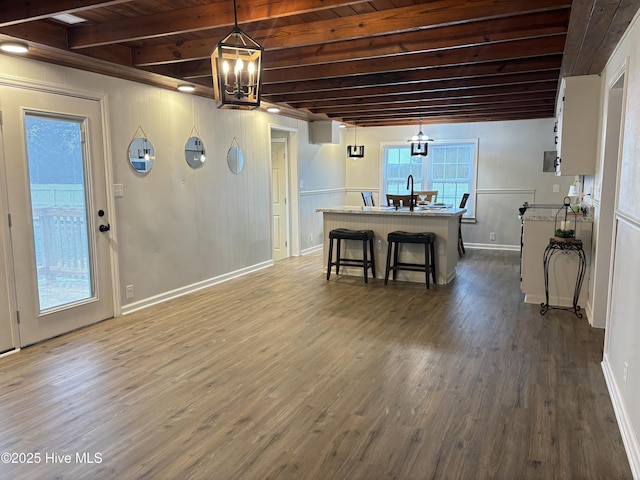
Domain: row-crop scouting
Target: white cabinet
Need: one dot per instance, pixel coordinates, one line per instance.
(577, 114)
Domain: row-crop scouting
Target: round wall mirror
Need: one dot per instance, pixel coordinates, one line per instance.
(235, 159)
(194, 152)
(141, 154)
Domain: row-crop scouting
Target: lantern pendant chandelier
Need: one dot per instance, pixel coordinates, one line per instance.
(236, 64)
(419, 146)
(355, 151)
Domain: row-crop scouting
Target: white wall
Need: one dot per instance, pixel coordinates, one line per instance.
(510, 158)
(321, 177)
(177, 227)
(622, 339)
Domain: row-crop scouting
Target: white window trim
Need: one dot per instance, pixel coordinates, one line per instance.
(471, 213)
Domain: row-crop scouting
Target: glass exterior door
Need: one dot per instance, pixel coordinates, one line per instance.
(60, 242)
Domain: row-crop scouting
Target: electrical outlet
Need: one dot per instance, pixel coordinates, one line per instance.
(311, 238)
(625, 373)
(128, 291)
(379, 244)
(556, 188)
(492, 236)
(118, 190)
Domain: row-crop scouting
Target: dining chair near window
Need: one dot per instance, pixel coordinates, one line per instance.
(399, 200)
(430, 195)
(367, 198)
(463, 203)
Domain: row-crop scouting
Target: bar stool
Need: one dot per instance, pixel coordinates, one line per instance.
(365, 236)
(429, 266)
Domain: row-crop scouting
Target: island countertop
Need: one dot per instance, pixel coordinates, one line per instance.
(419, 210)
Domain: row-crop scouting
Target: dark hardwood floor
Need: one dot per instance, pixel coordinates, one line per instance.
(281, 374)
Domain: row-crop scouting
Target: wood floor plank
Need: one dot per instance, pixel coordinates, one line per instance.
(283, 375)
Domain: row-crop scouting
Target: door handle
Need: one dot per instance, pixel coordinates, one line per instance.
(104, 228)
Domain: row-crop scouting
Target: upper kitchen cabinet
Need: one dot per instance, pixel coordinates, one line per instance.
(577, 114)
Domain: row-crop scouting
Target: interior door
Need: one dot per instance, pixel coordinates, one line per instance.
(8, 325)
(56, 195)
(279, 198)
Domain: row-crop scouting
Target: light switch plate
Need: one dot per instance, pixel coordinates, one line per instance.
(118, 190)
(556, 188)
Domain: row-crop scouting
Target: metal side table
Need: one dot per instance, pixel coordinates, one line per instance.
(566, 246)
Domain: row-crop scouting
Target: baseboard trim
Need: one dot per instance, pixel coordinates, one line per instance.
(310, 250)
(9, 352)
(589, 311)
(179, 292)
(622, 417)
(491, 246)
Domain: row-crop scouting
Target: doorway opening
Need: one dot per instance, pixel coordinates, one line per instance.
(284, 193)
(606, 204)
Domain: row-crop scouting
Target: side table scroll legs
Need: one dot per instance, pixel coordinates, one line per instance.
(565, 247)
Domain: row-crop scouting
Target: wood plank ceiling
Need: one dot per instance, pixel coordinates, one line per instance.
(377, 62)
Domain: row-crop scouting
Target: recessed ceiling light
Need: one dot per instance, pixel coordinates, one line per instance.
(273, 109)
(187, 88)
(14, 47)
(68, 18)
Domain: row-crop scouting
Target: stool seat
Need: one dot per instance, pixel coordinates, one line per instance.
(347, 234)
(367, 261)
(411, 237)
(428, 239)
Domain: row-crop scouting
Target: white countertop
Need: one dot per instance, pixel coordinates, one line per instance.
(419, 210)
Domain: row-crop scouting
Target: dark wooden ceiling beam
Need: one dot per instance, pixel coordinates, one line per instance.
(422, 88)
(450, 119)
(542, 98)
(468, 34)
(402, 19)
(13, 12)
(202, 68)
(458, 56)
(321, 104)
(194, 19)
(505, 67)
(51, 34)
(486, 110)
(39, 31)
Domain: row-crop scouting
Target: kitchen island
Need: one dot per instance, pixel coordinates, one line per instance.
(383, 220)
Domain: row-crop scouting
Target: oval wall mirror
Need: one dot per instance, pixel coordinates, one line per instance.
(141, 154)
(235, 159)
(194, 152)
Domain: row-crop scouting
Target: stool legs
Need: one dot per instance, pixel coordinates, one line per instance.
(427, 262)
(429, 259)
(386, 271)
(368, 257)
(432, 262)
(373, 259)
(330, 259)
(365, 263)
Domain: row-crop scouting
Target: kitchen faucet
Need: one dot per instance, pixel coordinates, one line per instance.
(410, 179)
